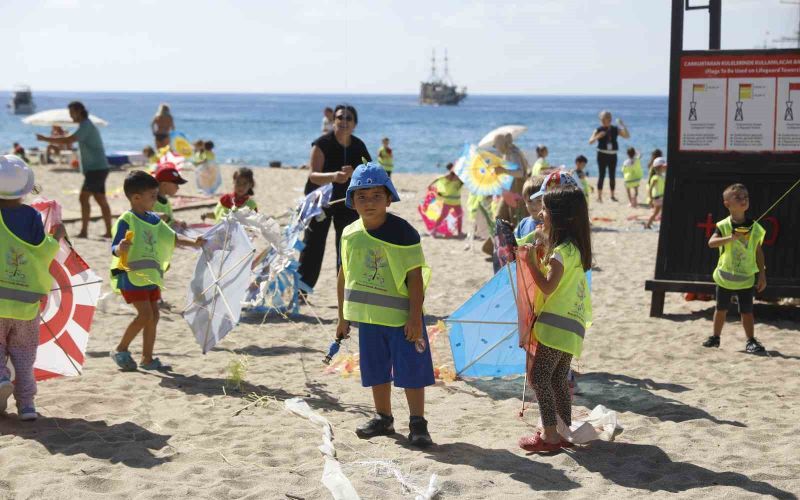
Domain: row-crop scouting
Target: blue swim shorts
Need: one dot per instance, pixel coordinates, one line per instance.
(385, 355)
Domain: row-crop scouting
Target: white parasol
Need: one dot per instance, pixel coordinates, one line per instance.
(514, 130)
(59, 116)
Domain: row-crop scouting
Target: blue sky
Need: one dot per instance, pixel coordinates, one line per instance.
(361, 46)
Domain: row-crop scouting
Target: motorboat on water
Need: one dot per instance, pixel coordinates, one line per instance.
(21, 102)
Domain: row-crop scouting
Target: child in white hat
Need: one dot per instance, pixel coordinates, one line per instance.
(25, 256)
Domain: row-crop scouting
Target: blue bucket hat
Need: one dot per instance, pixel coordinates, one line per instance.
(369, 175)
(555, 181)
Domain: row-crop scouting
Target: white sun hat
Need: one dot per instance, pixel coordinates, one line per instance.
(16, 178)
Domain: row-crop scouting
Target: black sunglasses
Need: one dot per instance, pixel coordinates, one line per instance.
(346, 118)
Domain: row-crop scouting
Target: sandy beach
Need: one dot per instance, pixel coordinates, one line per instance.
(702, 423)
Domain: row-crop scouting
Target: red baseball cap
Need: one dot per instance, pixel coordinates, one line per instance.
(168, 173)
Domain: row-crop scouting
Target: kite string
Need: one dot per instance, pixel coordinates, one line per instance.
(779, 200)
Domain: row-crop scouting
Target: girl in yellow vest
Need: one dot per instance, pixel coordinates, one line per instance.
(656, 187)
(141, 249)
(448, 189)
(741, 260)
(381, 287)
(566, 313)
(25, 256)
(632, 175)
(243, 184)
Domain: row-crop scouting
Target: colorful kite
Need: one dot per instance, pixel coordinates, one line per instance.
(477, 170)
(432, 208)
(66, 316)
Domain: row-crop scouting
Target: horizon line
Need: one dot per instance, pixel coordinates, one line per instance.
(247, 92)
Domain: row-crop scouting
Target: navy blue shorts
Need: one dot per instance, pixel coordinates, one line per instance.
(385, 355)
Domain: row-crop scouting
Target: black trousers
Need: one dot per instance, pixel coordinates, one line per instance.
(317, 235)
(605, 162)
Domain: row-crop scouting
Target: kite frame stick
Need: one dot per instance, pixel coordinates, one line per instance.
(488, 350)
(55, 339)
(448, 320)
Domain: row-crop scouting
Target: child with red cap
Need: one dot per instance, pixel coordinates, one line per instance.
(169, 181)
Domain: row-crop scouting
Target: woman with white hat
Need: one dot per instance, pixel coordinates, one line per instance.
(26, 253)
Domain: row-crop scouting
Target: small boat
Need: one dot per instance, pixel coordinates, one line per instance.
(21, 102)
(440, 90)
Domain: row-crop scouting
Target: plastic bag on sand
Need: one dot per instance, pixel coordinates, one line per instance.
(583, 431)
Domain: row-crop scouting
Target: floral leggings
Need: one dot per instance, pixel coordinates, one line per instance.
(19, 340)
(550, 382)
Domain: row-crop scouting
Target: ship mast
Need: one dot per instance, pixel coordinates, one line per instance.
(433, 65)
(446, 70)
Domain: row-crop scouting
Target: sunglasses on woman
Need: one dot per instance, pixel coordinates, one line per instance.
(346, 118)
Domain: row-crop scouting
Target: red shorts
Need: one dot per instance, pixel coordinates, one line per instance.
(132, 296)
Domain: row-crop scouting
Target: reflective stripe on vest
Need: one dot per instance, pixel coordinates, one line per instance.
(145, 264)
(733, 277)
(376, 299)
(20, 295)
(567, 324)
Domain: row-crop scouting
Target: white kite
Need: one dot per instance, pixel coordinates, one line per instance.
(221, 278)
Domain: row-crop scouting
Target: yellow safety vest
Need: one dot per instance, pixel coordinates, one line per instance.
(737, 267)
(657, 186)
(164, 208)
(24, 273)
(632, 174)
(220, 211)
(150, 252)
(539, 165)
(567, 312)
(375, 290)
(385, 159)
(449, 191)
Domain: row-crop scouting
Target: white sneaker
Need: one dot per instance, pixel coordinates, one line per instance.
(6, 390)
(27, 414)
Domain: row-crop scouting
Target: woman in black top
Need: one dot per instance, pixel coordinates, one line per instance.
(607, 147)
(333, 157)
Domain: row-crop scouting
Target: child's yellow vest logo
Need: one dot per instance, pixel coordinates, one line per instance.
(580, 295)
(150, 241)
(15, 259)
(375, 261)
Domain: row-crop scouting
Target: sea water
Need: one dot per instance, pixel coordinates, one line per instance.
(255, 129)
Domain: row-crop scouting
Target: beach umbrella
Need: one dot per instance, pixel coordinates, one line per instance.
(477, 170)
(58, 116)
(221, 279)
(66, 316)
(514, 130)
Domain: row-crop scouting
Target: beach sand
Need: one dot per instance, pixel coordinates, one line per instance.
(699, 422)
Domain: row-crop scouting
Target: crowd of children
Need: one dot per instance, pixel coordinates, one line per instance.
(382, 279)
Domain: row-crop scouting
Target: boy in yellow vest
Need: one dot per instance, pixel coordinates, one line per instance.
(381, 287)
(25, 256)
(632, 175)
(138, 265)
(741, 260)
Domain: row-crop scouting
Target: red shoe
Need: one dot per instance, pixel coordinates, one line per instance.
(536, 444)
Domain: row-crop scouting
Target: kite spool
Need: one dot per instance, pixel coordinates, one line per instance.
(123, 257)
(334, 348)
